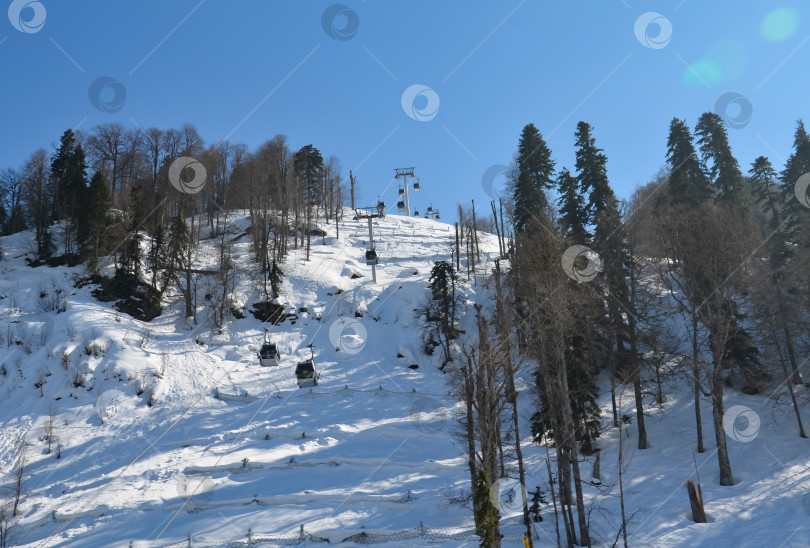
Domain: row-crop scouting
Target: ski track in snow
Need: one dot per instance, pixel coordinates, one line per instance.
(229, 445)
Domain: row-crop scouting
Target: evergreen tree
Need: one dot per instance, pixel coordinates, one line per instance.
(721, 166)
(308, 164)
(766, 193)
(532, 176)
(583, 390)
(276, 277)
(687, 182)
(179, 253)
(537, 500)
(130, 263)
(796, 215)
(157, 254)
(69, 180)
(442, 309)
(572, 209)
(591, 172)
(783, 279)
(69, 176)
(92, 220)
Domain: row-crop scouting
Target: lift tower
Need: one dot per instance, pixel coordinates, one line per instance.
(405, 172)
(371, 213)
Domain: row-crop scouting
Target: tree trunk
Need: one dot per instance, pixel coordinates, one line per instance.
(613, 396)
(696, 502)
(719, 432)
(642, 431)
(553, 499)
(696, 380)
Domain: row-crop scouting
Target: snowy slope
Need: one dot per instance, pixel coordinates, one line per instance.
(228, 446)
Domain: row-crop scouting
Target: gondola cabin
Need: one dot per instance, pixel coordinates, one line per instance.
(269, 355)
(306, 375)
(401, 206)
(371, 257)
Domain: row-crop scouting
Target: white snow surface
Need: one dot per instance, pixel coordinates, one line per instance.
(229, 446)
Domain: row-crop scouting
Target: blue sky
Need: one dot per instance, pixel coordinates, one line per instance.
(247, 70)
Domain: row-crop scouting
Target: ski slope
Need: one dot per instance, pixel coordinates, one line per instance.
(229, 449)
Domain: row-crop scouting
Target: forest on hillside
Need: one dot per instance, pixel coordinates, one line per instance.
(589, 283)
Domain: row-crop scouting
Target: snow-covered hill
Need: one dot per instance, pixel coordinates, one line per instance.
(165, 430)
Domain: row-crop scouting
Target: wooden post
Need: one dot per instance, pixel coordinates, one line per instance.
(458, 251)
(351, 179)
(338, 214)
(503, 233)
(696, 501)
(476, 249)
(497, 229)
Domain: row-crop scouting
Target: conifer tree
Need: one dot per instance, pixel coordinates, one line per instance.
(69, 180)
(796, 215)
(442, 310)
(532, 176)
(721, 166)
(92, 220)
(766, 194)
(591, 172)
(130, 263)
(573, 214)
(179, 251)
(688, 183)
(308, 163)
(775, 232)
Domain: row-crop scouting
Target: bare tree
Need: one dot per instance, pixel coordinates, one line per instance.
(711, 244)
(19, 475)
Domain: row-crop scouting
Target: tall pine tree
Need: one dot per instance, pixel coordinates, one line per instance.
(796, 214)
(591, 172)
(69, 180)
(533, 175)
(573, 214)
(92, 220)
(688, 183)
(721, 166)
